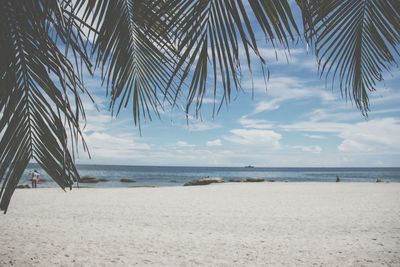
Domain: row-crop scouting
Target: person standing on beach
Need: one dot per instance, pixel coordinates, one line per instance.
(35, 178)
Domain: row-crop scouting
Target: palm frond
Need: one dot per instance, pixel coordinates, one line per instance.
(134, 51)
(39, 87)
(210, 35)
(355, 42)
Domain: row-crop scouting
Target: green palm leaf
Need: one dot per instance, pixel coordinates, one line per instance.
(35, 109)
(211, 34)
(355, 41)
(134, 51)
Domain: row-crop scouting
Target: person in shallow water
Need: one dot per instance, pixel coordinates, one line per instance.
(35, 178)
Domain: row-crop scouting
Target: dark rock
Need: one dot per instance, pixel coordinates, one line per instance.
(270, 180)
(205, 181)
(252, 180)
(237, 180)
(21, 186)
(103, 180)
(379, 180)
(142, 186)
(127, 180)
(87, 179)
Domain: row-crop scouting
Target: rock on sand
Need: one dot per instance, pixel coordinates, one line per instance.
(205, 181)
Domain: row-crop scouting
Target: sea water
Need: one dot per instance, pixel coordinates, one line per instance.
(177, 176)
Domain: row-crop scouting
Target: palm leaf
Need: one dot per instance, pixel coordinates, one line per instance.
(210, 35)
(133, 49)
(355, 42)
(36, 108)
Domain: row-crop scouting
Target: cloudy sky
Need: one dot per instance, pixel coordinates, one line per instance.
(298, 119)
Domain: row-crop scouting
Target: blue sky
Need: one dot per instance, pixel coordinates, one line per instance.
(298, 120)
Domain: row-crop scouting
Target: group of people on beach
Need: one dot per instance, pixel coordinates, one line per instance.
(35, 178)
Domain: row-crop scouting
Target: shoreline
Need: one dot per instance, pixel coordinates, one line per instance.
(229, 224)
(175, 184)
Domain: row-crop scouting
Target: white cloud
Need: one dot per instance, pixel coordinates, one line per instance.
(267, 105)
(255, 123)
(374, 135)
(216, 142)
(280, 56)
(254, 137)
(384, 95)
(289, 87)
(184, 144)
(114, 147)
(209, 100)
(384, 111)
(98, 122)
(285, 88)
(298, 58)
(314, 136)
(115, 141)
(311, 149)
(351, 146)
(315, 126)
(308, 63)
(379, 134)
(197, 126)
(332, 114)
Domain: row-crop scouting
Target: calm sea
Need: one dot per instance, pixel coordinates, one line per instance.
(177, 176)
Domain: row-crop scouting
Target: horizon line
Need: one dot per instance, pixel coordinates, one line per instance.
(244, 166)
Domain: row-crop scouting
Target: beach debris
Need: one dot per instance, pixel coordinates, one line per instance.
(252, 180)
(87, 179)
(205, 181)
(337, 179)
(127, 180)
(21, 186)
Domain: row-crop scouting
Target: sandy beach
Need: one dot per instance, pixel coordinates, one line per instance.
(263, 224)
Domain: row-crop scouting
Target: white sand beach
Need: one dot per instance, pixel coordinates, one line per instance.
(260, 224)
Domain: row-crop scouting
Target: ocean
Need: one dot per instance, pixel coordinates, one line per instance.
(177, 176)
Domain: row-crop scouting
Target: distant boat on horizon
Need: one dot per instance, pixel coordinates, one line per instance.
(249, 166)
